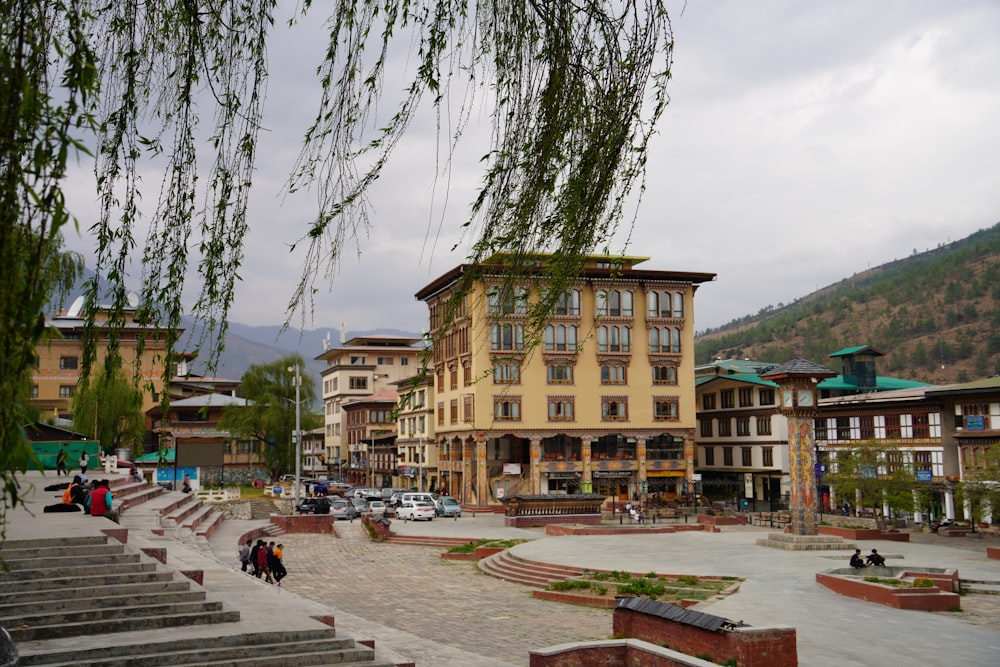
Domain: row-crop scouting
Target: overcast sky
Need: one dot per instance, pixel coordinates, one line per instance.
(804, 142)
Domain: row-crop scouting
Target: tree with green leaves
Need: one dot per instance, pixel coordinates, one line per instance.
(269, 416)
(574, 90)
(108, 405)
(979, 489)
(877, 473)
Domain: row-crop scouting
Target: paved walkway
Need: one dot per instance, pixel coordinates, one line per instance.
(411, 591)
(419, 607)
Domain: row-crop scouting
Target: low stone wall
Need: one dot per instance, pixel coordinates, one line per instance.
(712, 520)
(748, 646)
(993, 553)
(547, 520)
(943, 596)
(612, 652)
(305, 523)
(864, 534)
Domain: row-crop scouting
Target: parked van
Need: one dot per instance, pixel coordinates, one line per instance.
(414, 496)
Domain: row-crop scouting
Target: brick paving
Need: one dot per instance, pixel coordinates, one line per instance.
(412, 589)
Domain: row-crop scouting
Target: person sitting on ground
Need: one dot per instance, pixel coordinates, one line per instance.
(857, 561)
(875, 559)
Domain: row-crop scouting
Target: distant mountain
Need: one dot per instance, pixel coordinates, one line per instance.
(935, 315)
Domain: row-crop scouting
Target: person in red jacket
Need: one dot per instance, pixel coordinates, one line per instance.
(101, 499)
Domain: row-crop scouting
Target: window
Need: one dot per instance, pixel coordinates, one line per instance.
(384, 361)
(727, 456)
(560, 337)
(746, 453)
(614, 408)
(505, 336)
(507, 301)
(763, 426)
(664, 340)
(658, 304)
(743, 426)
(746, 397)
(664, 375)
(34, 391)
(453, 410)
(710, 456)
(380, 416)
(440, 378)
(614, 339)
(507, 373)
(766, 396)
(560, 409)
(725, 427)
(665, 409)
(613, 374)
(728, 399)
(819, 428)
(468, 409)
(708, 402)
(404, 362)
(357, 361)
(67, 390)
(507, 408)
(867, 425)
(767, 453)
(440, 413)
(358, 383)
(466, 375)
(68, 363)
(678, 304)
(569, 303)
(559, 374)
(614, 303)
(892, 427)
(706, 428)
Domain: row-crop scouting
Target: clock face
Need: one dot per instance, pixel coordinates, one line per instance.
(786, 398)
(805, 397)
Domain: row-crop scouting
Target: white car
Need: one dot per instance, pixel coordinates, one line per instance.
(375, 507)
(415, 510)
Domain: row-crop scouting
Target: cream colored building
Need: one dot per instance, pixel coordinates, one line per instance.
(605, 402)
(60, 359)
(416, 449)
(362, 366)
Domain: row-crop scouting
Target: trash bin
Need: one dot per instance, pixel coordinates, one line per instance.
(744, 504)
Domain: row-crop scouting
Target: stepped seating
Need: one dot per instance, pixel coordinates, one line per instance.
(289, 649)
(505, 565)
(89, 586)
(189, 513)
(67, 587)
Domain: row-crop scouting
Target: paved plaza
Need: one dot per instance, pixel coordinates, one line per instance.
(419, 607)
(446, 613)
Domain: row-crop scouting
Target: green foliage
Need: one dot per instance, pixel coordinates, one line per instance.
(688, 580)
(881, 475)
(980, 486)
(269, 416)
(46, 66)
(108, 405)
(568, 585)
(643, 587)
(923, 582)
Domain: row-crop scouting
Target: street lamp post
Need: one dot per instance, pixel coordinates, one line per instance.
(420, 465)
(297, 437)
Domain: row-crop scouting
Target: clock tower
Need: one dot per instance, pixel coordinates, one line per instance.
(797, 380)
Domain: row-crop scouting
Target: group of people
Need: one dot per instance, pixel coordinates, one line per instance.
(94, 498)
(62, 458)
(263, 560)
(874, 559)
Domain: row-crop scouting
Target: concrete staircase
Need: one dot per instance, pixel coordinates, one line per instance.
(422, 541)
(789, 542)
(66, 587)
(190, 514)
(505, 565)
(120, 604)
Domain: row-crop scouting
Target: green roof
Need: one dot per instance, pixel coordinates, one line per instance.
(882, 383)
(749, 378)
(848, 351)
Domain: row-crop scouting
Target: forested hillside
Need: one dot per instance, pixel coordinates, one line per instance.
(935, 315)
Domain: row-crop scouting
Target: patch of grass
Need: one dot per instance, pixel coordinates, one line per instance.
(651, 575)
(470, 547)
(923, 582)
(688, 580)
(885, 582)
(568, 585)
(642, 587)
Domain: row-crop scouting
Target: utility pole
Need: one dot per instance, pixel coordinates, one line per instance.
(297, 435)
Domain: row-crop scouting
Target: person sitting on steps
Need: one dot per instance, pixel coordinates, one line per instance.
(875, 559)
(857, 561)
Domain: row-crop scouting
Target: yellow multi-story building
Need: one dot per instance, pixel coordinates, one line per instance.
(60, 358)
(605, 403)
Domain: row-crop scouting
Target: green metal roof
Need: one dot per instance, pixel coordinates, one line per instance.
(848, 351)
(882, 383)
(749, 378)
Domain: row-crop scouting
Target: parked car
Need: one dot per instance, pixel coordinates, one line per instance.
(314, 506)
(388, 494)
(359, 504)
(447, 506)
(376, 507)
(342, 509)
(412, 511)
(396, 499)
(417, 496)
(368, 494)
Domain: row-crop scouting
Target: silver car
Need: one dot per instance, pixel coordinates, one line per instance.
(342, 509)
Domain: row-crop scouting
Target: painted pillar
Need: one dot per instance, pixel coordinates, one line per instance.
(535, 448)
(802, 461)
(467, 463)
(587, 479)
(949, 505)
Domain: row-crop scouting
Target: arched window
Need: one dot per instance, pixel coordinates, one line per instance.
(675, 340)
(678, 304)
(559, 337)
(504, 336)
(614, 303)
(614, 339)
(568, 303)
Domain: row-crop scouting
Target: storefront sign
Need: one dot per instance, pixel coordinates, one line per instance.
(512, 468)
(612, 473)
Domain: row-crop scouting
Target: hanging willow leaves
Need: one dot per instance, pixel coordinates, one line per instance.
(177, 87)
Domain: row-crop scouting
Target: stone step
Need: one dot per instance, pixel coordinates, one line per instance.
(60, 593)
(805, 542)
(425, 541)
(69, 561)
(76, 602)
(14, 554)
(508, 567)
(124, 624)
(316, 647)
(53, 543)
(210, 524)
(145, 576)
(55, 617)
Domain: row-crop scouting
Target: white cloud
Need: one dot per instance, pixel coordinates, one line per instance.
(804, 142)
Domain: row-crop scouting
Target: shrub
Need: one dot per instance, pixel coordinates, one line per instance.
(923, 582)
(688, 580)
(568, 585)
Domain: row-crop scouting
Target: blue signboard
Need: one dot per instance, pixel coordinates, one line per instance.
(975, 423)
(924, 476)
